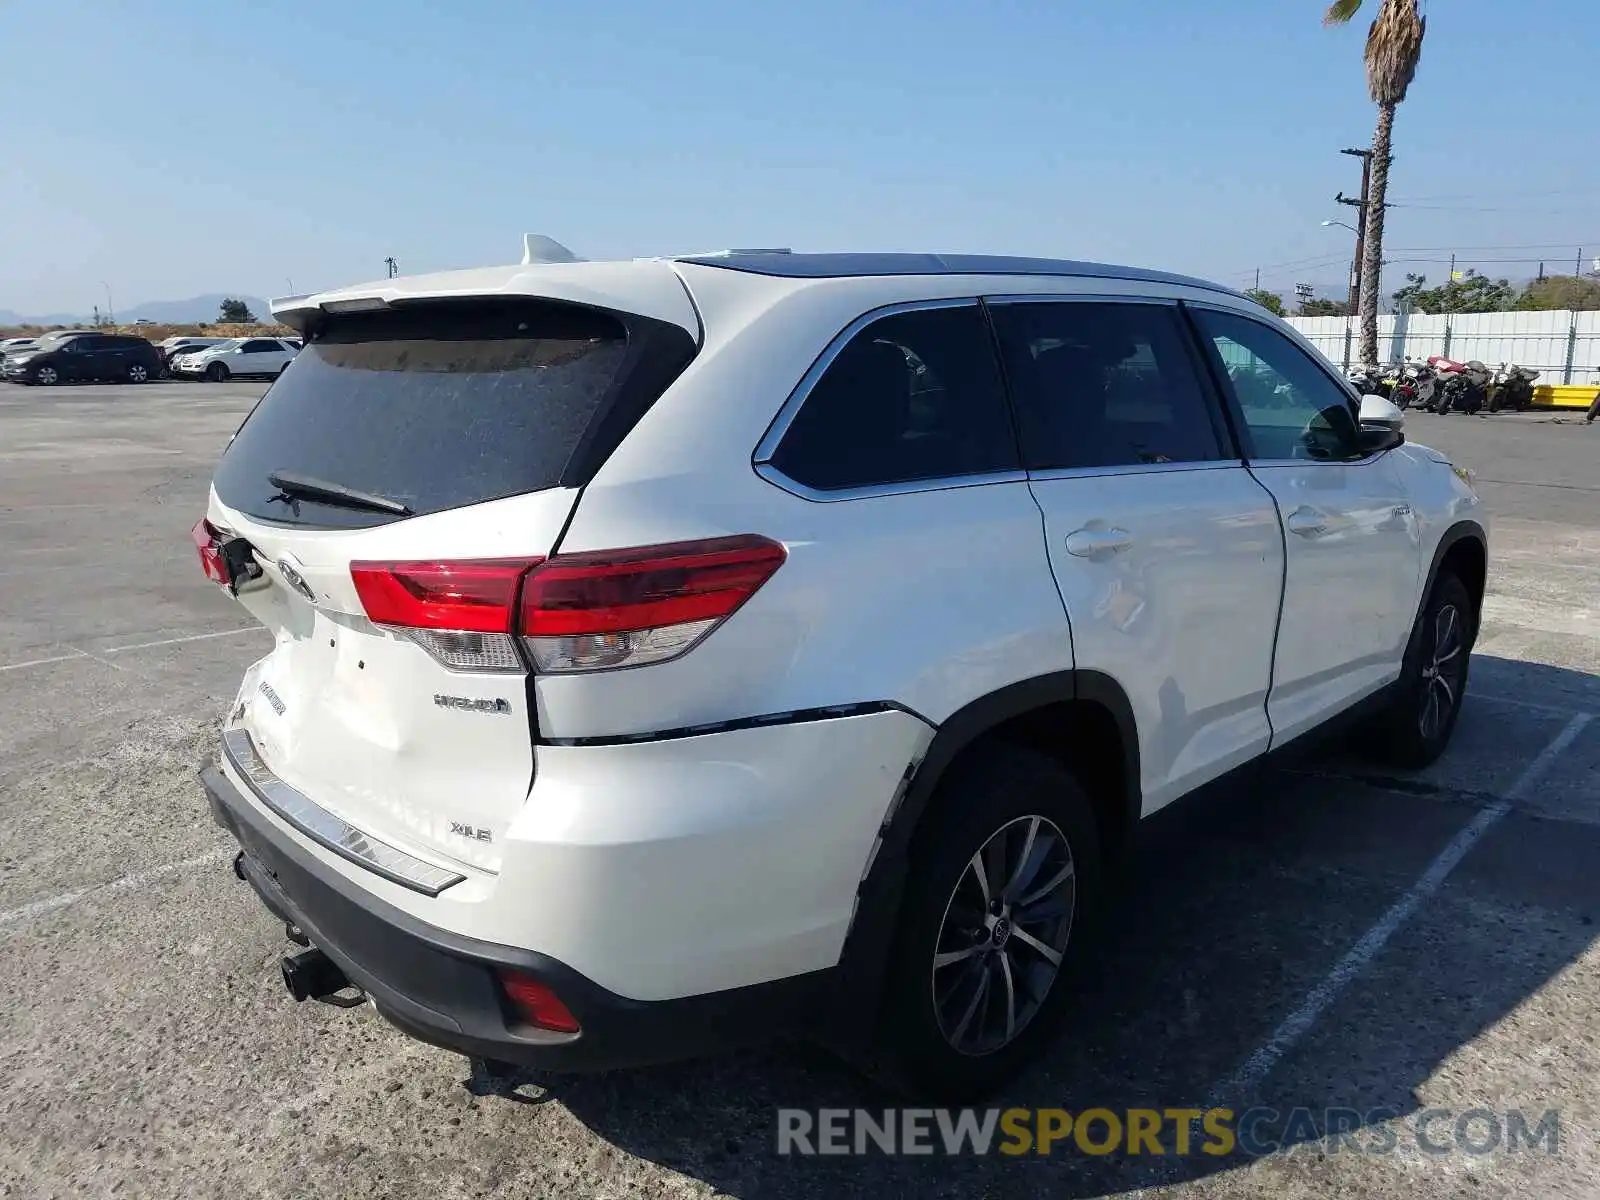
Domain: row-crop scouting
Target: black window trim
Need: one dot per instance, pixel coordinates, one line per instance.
(1216, 369)
(1218, 411)
(761, 459)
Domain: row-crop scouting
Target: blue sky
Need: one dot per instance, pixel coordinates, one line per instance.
(172, 148)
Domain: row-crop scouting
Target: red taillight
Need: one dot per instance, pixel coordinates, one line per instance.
(471, 596)
(616, 591)
(575, 612)
(626, 608)
(211, 560)
(535, 1003)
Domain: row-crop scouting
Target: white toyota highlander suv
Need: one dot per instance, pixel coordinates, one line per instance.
(676, 652)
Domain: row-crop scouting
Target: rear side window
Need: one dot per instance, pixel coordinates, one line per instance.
(443, 405)
(913, 396)
(1105, 385)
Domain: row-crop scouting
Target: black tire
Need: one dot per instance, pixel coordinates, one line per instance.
(217, 372)
(1407, 737)
(1004, 788)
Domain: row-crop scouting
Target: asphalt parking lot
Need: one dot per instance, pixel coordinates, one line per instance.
(1339, 939)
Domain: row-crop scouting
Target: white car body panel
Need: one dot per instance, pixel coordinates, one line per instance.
(679, 867)
(359, 730)
(1183, 617)
(1353, 584)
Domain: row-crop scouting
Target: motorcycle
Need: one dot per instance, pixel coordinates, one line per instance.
(1403, 387)
(1462, 387)
(1512, 389)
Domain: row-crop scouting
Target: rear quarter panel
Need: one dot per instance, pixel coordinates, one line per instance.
(927, 599)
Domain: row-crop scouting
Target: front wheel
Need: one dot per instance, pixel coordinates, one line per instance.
(217, 372)
(1004, 872)
(1433, 678)
(46, 376)
(138, 373)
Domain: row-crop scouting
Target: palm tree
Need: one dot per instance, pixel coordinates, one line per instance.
(1394, 47)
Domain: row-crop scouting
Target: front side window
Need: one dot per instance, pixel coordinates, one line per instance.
(1102, 385)
(913, 396)
(1290, 406)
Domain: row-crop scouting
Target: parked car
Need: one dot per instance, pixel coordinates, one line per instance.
(16, 345)
(79, 358)
(264, 357)
(846, 613)
(172, 347)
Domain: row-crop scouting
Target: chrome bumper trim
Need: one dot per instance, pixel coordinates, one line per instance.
(328, 830)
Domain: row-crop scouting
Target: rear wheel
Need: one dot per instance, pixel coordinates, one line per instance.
(1003, 876)
(217, 372)
(138, 373)
(46, 376)
(1433, 680)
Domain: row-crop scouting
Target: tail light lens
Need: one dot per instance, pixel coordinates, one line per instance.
(573, 612)
(212, 561)
(626, 608)
(459, 612)
(535, 1003)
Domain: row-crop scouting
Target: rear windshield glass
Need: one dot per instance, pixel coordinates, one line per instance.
(434, 407)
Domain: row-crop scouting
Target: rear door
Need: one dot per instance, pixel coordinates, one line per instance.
(1353, 542)
(1167, 553)
(77, 359)
(477, 418)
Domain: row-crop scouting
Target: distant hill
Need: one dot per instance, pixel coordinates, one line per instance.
(166, 312)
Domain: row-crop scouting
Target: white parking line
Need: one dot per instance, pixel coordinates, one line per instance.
(193, 637)
(76, 653)
(39, 662)
(1316, 1002)
(137, 879)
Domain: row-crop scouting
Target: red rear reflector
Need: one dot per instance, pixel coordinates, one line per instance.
(535, 1003)
(211, 560)
(470, 596)
(618, 591)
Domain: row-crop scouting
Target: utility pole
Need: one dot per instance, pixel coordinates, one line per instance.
(394, 268)
(1258, 279)
(1578, 268)
(1541, 272)
(1451, 278)
(1361, 221)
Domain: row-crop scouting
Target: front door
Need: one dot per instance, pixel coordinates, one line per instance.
(1352, 539)
(1166, 551)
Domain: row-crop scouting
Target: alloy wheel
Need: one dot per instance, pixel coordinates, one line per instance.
(1004, 935)
(1442, 677)
(137, 374)
(46, 376)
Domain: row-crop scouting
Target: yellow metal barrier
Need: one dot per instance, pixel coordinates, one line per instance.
(1571, 395)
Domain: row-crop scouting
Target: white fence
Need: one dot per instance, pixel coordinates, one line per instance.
(1564, 347)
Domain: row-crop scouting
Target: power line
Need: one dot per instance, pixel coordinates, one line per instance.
(1585, 191)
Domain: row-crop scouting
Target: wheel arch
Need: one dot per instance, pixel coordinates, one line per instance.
(1463, 550)
(1073, 715)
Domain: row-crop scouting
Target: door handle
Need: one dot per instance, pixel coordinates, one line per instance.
(1098, 543)
(1307, 522)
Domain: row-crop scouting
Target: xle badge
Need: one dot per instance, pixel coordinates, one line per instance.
(468, 704)
(457, 829)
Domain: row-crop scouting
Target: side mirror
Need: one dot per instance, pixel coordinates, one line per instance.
(1381, 413)
(1381, 425)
